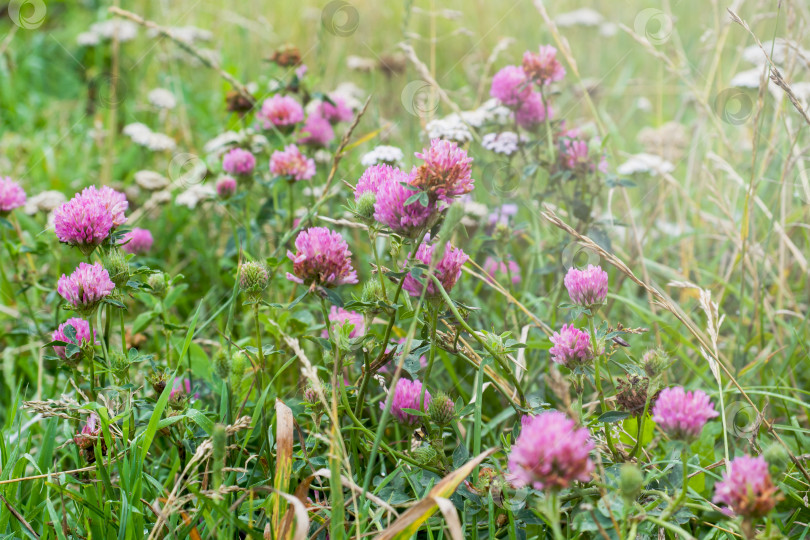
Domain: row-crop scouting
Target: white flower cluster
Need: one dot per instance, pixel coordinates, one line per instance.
(143, 136)
(162, 98)
(645, 163)
(106, 31)
(505, 142)
(383, 154)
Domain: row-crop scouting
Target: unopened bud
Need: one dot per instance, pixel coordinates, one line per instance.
(365, 205)
(441, 410)
(630, 481)
(253, 279)
(116, 265)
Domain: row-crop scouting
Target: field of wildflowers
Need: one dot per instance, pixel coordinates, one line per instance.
(404, 270)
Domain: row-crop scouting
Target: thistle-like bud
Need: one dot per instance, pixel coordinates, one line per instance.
(310, 395)
(441, 410)
(425, 454)
(365, 205)
(116, 265)
(630, 482)
(253, 279)
(655, 361)
(158, 282)
(777, 458)
(239, 363)
(222, 364)
(158, 381)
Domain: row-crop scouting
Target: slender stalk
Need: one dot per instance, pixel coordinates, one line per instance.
(480, 340)
(92, 360)
(553, 515)
(262, 366)
(598, 382)
(434, 317)
(290, 206)
(672, 508)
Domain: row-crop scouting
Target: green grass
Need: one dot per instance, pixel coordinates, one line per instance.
(60, 129)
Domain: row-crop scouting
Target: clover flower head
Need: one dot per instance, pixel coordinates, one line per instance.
(510, 86)
(88, 285)
(12, 195)
(550, 452)
(682, 414)
(292, 164)
(588, 287)
(543, 66)
(447, 270)
(446, 172)
(238, 161)
(137, 241)
(407, 395)
(571, 346)
(747, 488)
(322, 258)
(281, 112)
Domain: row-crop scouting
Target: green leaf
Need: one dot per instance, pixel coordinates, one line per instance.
(613, 416)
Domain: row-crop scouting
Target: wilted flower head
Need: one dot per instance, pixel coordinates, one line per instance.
(681, 414)
(339, 316)
(292, 164)
(510, 86)
(571, 346)
(339, 112)
(115, 202)
(503, 269)
(631, 394)
(317, 131)
(253, 278)
(88, 285)
(446, 172)
(12, 195)
(280, 111)
(407, 395)
(226, 187)
(82, 335)
(588, 287)
(532, 111)
(543, 66)
(238, 161)
(322, 258)
(138, 241)
(550, 452)
(84, 221)
(747, 488)
(390, 208)
(89, 433)
(447, 270)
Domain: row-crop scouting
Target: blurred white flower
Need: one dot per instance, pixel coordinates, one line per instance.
(505, 142)
(115, 28)
(44, 201)
(383, 154)
(194, 195)
(88, 39)
(360, 63)
(451, 127)
(162, 98)
(579, 17)
(322, 156)
(151, 180)
(143, 136)
(645, 163)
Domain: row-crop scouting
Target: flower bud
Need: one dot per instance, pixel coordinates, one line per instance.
(441, 410)
(485, 477)
(365, 205)
(632, 394)
(630, 482)
(116, 265)
(239, 363)
(222, 364)
(777, 458)
(655, 361)
(158, 282)
(425, 454)
(253, 279)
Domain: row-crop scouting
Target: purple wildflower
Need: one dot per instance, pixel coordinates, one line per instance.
(322, 258)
